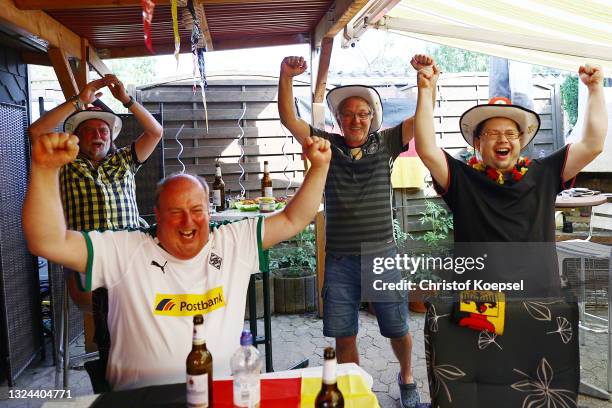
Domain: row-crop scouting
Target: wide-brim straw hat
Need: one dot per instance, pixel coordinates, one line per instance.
(113, 121)
(528, 120)
(340, 93)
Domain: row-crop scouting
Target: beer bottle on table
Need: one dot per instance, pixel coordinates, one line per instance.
(246, 368)
(218, 189)
(199, 369)
(266, 182)
(329, 396)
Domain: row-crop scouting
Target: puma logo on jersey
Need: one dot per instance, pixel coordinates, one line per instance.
(162, 267)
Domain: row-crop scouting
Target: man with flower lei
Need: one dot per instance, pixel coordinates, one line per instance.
(504, 203)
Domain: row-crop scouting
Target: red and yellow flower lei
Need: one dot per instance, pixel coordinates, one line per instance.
(518, 171)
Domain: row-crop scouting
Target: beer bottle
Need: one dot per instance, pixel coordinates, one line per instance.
(218, 189)
(329, 396)
(266, 182)
(199, 369)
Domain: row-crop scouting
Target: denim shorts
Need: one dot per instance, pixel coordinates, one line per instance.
(342, 297)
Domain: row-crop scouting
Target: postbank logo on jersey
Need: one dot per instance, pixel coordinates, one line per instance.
(188, 304)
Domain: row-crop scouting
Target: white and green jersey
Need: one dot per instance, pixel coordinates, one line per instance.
(152, 297)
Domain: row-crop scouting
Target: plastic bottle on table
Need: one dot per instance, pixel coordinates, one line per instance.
(246, 368)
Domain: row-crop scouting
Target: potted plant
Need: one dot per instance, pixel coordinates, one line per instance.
(294, 268)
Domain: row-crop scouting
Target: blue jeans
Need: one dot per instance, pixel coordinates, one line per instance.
(342, 297)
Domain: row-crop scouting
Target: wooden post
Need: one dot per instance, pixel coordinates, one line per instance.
(318, 121)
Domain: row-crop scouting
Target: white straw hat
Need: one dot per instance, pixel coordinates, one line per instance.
(338, 94)
(528, 120)
(113, 121)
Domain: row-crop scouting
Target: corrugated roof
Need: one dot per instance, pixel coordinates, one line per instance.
(231, 24)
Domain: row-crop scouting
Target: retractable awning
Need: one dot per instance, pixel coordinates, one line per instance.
(555, 33)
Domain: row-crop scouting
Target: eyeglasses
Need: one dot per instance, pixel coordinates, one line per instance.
(359, 115)
(495, 134)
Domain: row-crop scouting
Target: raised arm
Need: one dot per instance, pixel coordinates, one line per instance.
(43, 217)
(418, 62)
(56, 116)
(290, 67)
(431, 155)
(146, 142)
(300, 211)
(595, 124)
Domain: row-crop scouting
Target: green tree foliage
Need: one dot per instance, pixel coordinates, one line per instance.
(451, 59)
(134, 71)
(130, 71)
(569, 98)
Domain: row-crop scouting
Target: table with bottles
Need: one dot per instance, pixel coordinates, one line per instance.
(284, 389)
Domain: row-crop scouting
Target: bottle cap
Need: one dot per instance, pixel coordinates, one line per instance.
(246, 339)
(329, 353)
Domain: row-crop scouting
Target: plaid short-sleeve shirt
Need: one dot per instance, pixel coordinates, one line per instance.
(102, 197)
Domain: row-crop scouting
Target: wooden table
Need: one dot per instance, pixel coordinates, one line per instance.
(574, 202)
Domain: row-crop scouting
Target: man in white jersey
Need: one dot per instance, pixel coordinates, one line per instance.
(158, 279)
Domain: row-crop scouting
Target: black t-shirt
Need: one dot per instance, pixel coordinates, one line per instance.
(513, 223)
(485, 211)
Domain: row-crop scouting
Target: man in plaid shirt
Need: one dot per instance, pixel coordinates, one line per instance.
(98, 188)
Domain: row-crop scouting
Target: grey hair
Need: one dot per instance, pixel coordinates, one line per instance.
(162, 184)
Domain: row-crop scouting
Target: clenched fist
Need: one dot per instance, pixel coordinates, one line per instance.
(317, 150)
(591, 76)
(293, 66)
(53, 150)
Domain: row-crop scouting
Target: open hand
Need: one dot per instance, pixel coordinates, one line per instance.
(117, 88)
(53, 150)
(317, 150)
(293, 66)
(591, 75)
(90, 92)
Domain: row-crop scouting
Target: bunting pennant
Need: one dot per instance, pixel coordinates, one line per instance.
(177, 38)
(147, 18)
(198, 57)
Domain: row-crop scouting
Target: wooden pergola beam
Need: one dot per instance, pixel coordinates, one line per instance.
(336, 18)
(97, 64)
(62, 69)
(201, 13)
(35, 58)
(38, 25)
(82, 77)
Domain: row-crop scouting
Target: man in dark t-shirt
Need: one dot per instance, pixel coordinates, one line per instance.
(358, 214)
(503, 200)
